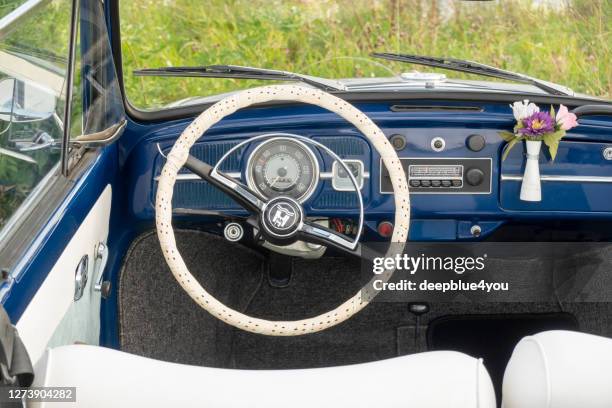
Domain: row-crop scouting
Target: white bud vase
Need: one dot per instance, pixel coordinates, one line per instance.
(531, 189)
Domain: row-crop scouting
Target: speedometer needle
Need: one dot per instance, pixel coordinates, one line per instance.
(274, 182)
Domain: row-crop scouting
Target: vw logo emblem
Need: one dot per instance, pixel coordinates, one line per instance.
(282, 216)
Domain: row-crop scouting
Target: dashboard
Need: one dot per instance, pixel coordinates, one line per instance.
(452, 159)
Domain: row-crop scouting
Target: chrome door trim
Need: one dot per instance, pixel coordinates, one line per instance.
(29, 203)
(65, 151)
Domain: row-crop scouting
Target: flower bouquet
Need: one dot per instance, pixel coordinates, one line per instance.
(536, 127)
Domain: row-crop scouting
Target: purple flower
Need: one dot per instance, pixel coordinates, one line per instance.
(537, 125)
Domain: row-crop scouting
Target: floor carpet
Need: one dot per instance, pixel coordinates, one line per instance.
(157, 318)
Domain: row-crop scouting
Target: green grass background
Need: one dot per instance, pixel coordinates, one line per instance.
(570, 45)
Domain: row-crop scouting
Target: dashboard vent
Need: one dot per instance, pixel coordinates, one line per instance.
(335, 200)
(211, 152)
(199, 194)
(344, 146)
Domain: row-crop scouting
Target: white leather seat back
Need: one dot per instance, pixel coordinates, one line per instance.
(110, 378)
(559, 369)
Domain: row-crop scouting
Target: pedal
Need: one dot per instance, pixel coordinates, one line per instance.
(280, 269)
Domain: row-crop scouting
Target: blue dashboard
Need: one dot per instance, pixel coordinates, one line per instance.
(577, 185)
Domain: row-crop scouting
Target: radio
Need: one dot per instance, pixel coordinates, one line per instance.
(449, 175)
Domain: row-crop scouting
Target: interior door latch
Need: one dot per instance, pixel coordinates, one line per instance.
(100, 259)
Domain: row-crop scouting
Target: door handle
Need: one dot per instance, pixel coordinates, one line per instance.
(100, 259)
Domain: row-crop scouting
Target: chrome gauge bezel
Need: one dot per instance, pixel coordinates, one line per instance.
(314, 182)
(259, 202)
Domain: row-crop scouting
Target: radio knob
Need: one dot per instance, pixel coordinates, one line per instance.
(476, 143)
(474, 177)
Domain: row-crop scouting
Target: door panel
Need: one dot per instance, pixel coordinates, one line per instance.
(53, 317)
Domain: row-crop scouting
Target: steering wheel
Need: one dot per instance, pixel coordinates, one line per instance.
(265, 210)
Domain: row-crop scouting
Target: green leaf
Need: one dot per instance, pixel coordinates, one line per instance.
(509, 147)
(552, 112)
(558, 135)
(552, 141)
(507, 136)
(552, 149)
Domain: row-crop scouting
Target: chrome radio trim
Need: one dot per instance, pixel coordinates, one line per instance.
(380, 174)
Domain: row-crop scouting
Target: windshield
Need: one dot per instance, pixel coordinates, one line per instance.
(563, 41)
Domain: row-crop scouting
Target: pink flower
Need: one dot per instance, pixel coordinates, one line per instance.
(565, 119)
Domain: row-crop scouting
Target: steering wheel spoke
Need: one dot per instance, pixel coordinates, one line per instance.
(318, 234)
(240, 193)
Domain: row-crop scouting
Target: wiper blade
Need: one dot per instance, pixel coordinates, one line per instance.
(471, 67)
(237, 71)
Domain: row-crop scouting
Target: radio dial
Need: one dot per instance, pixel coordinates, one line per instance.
(476, 143)
(474, 177)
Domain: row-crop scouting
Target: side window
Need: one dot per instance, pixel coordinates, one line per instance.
(34, 51)
(33, 64)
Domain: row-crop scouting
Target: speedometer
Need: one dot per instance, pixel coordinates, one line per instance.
(283, 167)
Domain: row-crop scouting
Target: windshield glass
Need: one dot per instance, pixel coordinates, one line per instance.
(563, 41)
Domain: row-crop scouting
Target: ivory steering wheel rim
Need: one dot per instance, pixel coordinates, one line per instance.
(177, 158)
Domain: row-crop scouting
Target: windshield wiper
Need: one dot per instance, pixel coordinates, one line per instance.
(236, 71)
(471, 67)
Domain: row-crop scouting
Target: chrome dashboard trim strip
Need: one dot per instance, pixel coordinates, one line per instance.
(190, 176)
(561, 178)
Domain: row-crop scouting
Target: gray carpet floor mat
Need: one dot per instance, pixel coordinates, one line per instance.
(157, 318)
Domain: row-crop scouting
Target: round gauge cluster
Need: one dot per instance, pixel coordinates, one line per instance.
(283, 167)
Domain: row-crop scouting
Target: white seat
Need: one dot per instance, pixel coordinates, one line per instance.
(559, 369)
(109, 378)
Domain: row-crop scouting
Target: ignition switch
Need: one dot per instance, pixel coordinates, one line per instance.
(233, 231)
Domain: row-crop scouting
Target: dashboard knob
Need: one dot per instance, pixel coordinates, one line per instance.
(476, 142)
(398, 141)
(474, 177)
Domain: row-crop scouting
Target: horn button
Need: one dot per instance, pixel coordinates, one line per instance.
(282, 217)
